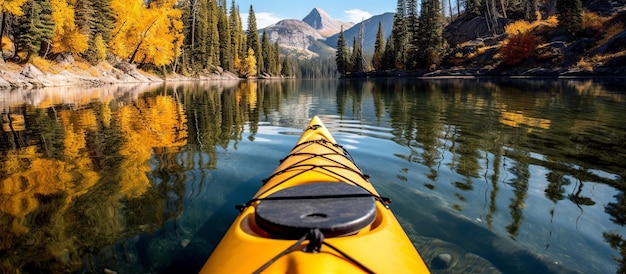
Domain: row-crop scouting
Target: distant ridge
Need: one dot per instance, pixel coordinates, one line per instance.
(370, 29)
(324, 24)
(316, 34)
(296, 37)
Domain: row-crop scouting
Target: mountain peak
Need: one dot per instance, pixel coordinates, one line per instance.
(323, 23)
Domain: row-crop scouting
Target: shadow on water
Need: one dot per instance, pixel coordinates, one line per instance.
(191, 258)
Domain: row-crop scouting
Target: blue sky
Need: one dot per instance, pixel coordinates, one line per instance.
(268, 12)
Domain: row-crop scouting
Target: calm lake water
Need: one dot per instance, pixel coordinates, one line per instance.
(509, 176)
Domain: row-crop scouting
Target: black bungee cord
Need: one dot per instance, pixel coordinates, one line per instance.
(316, 240)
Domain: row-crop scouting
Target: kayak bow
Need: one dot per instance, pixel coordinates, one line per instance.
(316, 213)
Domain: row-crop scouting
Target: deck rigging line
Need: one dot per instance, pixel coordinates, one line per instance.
(316, 240)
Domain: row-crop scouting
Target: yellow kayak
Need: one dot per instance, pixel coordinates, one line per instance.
(316, 213)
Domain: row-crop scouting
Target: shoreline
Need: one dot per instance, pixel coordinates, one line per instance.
(15, 76)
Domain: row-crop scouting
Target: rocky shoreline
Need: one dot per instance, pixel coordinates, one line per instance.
(13, 76)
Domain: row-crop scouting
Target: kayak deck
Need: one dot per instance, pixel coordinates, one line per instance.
(316, 213)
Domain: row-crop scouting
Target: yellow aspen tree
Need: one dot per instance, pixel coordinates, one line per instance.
(147, 34)
(249, 64)
(123, 37)
(237, 63)
(12, 6)
(68, 37)
(163, 37)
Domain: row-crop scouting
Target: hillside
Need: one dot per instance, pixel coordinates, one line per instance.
(599, 49)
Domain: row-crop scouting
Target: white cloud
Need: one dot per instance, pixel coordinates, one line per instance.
(263, 19)
(357, 15)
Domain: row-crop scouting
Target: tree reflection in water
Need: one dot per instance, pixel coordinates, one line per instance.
(84, 181)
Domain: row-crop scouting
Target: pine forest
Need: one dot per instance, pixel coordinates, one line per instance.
(192, 37)
(186, 37)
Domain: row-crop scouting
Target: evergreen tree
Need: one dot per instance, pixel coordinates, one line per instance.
(226, 54)
(412, 21)
(213, 49)
(236, 35)
(266, 50)
(389, 56)
(472, 7)
(252, 39)
(356, 59)
(84, 17)
(85, 22)
(101, 26)
(399, 35)
(287, 68)
(570, 15)
(430, 34)
(341, 56)
(379, 48)
(198, 54)
(276, 65)
(35, 28)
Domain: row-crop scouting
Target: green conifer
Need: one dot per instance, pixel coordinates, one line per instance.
(379, 48)
(341, 56)
(253, 40)
(570, 15)
(35, 28)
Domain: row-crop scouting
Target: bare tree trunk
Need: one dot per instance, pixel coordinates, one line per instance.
(450, 8)
(194, 10)
(143, 38)
(4, 16)
(443, 11)
(492, 17)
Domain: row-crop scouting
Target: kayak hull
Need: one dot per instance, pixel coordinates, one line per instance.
(381, 246)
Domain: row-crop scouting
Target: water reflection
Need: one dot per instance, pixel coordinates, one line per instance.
(502, 143)
(122, 178)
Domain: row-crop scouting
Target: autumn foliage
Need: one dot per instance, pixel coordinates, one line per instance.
(69, 37)
(520, 44)
(518, 47)
(147, 34)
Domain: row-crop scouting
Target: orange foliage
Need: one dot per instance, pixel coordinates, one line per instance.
(518, 47)
(68, 37)
(152, 35)
(552, 21)
(29, 175)
(593, 22)
(248, 67)
(520, 26)
(151, 123)
(12, 6)
(7, 44)
(237, 62)
(44, 65)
